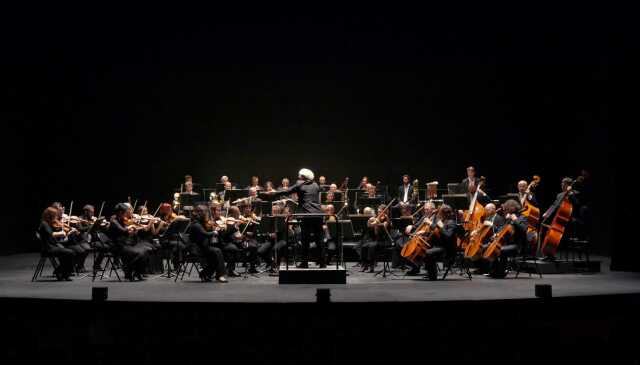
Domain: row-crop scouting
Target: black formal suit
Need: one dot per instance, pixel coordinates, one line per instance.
(308, 202)
(531, 199)
(464, 185)
(401, 188)
(573, 198)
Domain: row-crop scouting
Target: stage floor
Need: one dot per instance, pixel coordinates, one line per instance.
(16, 272)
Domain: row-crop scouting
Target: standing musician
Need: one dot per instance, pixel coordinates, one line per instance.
(378, 231)
(470, 180)
(202, 245)
(515, 243)
(122, 233)
(405, 191)
(308, 193)
(573, 196)
(52, 231)
(525, 196)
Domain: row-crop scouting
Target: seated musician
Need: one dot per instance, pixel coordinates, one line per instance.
(201, 239)
(363, 183)
(378, 233)
(249, 231)
(73, 240)
(255, 183)
(51, 232)
(496, 221)
(268, 187)
(330, 242)
(230, 238)
(284, 185)
(322, 182)
(443, 242)
(274, 244)
(122, 234)
(524, 195)
(87, 228)
(428, 215)
(516, 242)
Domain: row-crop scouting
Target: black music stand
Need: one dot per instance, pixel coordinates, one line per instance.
(456, 201)
(401, 223)
(173, 231)
(219, 187)
(235, 194)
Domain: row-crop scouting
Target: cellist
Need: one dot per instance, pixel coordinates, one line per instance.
(443, 239)
(512, 243)
(428, 216)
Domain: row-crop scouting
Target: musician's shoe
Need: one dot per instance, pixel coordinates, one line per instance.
(252, 270)
(139, 277)
(233, 274)
(365, 267)
(413, 272)
(222, 279)
(323, 265)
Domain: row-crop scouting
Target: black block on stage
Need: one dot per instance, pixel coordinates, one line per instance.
(323, 295)
(99, 294)
(543, 290)
(328, 275)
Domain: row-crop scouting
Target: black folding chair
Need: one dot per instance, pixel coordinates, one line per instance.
(44, 256)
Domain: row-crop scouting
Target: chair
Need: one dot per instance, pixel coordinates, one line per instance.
(112, 262)
(188, 257)
(44, 256)
(450, 262)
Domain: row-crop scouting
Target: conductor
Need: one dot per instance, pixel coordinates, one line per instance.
(308, 193)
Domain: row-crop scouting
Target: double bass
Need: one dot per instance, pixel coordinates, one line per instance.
(472, 218)
(531, 212)
(559, 223)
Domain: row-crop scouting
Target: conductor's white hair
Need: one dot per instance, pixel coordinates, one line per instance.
(307, 174)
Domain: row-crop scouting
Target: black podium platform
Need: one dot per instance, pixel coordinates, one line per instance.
(313, 275)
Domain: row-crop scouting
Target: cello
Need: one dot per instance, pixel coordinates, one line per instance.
(495, 247)
(416, 248)
(559, 223)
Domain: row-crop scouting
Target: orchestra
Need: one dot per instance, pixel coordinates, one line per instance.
(422, 225)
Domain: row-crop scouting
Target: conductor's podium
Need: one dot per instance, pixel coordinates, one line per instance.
(332, 274)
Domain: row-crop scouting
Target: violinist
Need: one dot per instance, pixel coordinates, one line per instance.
(268, 187)
(230, 237)
(73, 238)
(122, 233)
(146, 235)
(443, 240)
(515, 243)
(308, 194)
(86, 226)
(378, 231)
(329, 241)
(51, 232)
(284, 185)
(275, 243)
(249, 224)
(213, 265)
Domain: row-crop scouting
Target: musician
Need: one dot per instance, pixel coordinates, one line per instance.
(330, 242)
(249, 237)
(308, 193)
(73, 240)
(516, 242)
(201, 245)
(268, 187)
(470, 180)
(363, 183)
(322, 182)
(87, 234)
(122, 235)
(405, 191)
(230, 238)
(378, 232)
(524, 195)
(274, 244)
(572, 195)
(443, 242)
(51, 231)
(255, 183)
(333, 194)
(284, 184)
(428, 215)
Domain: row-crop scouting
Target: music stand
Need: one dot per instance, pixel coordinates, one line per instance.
(401, 223)
(175, 228)
(374, 203)
(219, 187)
(235, 194)
(456, 201)
(453, 188)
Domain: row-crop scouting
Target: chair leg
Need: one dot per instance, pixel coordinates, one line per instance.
(39, 267)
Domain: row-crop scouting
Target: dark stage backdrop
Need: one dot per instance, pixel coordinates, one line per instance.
(110, 112)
